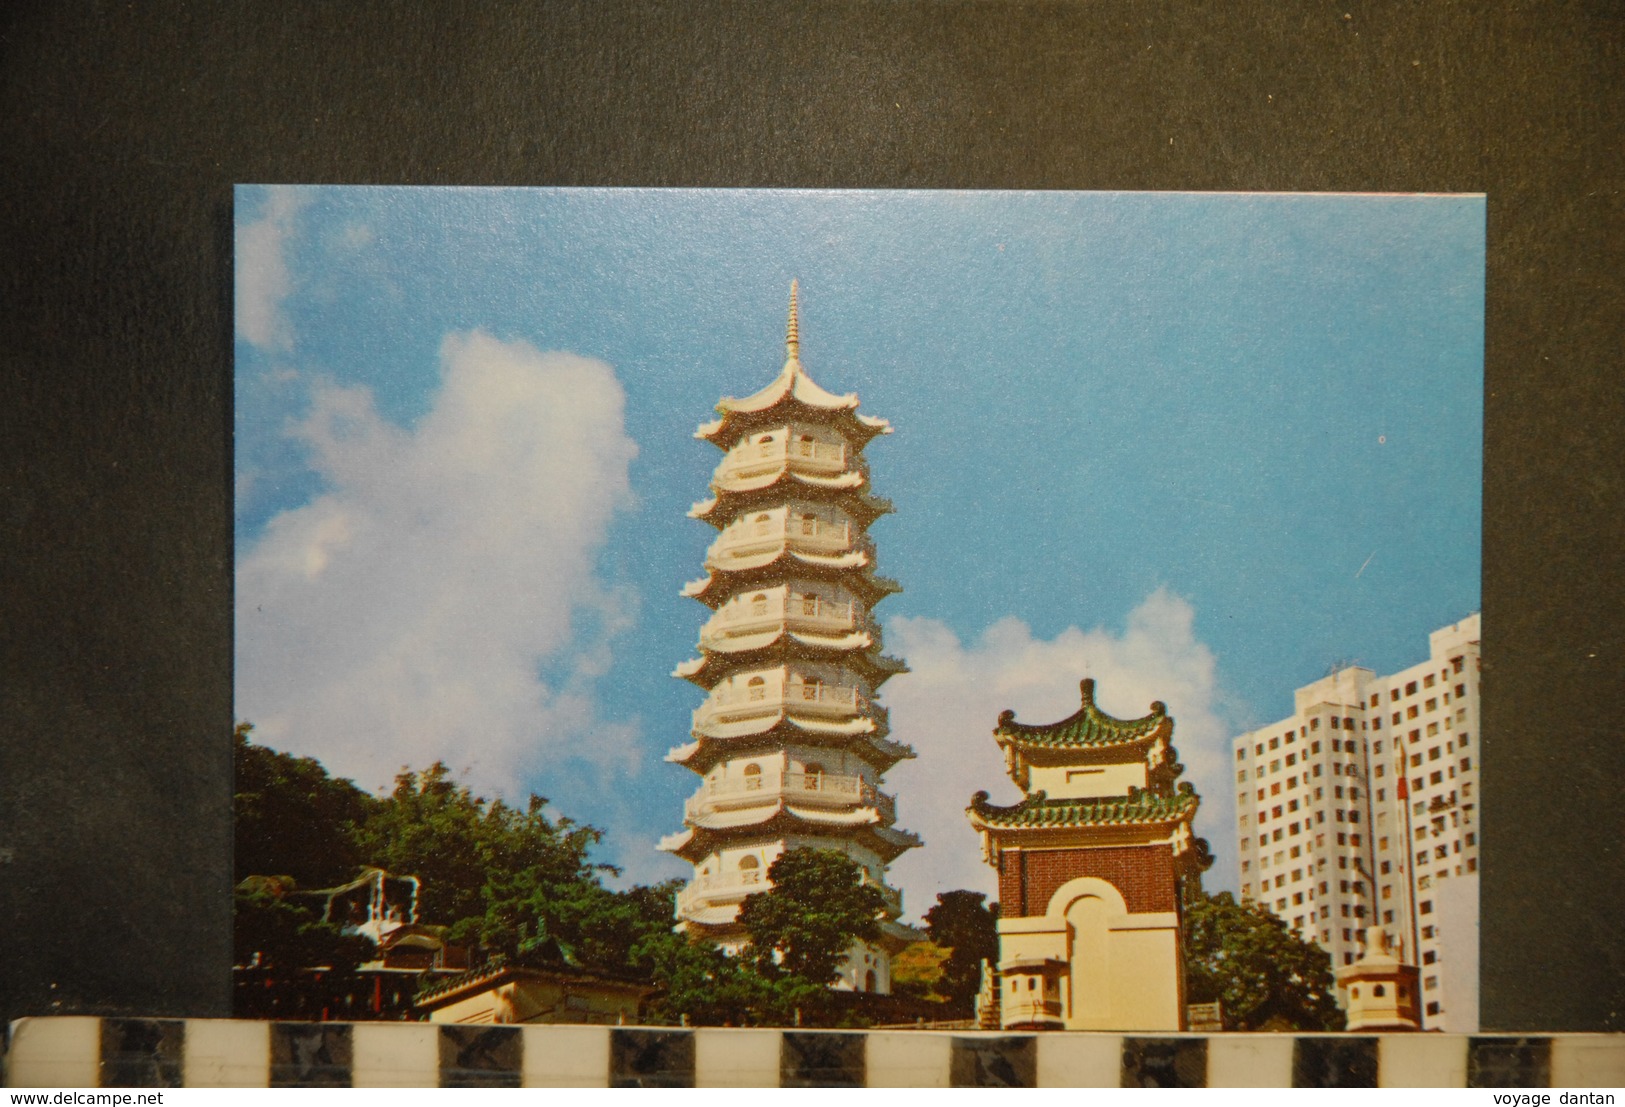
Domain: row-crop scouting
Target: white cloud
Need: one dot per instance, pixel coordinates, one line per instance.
(262, 280)
(948, 705)
(410, 612)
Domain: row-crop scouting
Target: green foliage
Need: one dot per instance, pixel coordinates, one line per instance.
(703, 986)
(501, 880)
(816, 909)
(487, 868)
(1264, 976)
(292, 818)
(917, 969)
(961, 923)
(271, 931)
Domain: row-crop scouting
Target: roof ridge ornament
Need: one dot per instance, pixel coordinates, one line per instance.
(792, 328)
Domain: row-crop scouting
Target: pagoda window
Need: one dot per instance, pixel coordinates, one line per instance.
(763, 523)
(809, 524)
(758, 604)
(764, 444)
(753, 776)
(756, 689)
(809, 604)
(805, 445)
(811, 688)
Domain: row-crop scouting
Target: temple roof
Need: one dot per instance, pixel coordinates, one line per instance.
(1088, 727)
(868, 743)
(793, 392)
(848, 491)
(858, 650)
(1038, 812)
(863, 824)
(854, 569)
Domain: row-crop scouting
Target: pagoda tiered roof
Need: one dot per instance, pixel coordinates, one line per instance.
(1092, 735)
(1088, 728)
(847, 491)
(867, 742)
(1143, 815)
(1037, 811)
(856, 650)
(863, 825)
(792, 394)
(853, 569)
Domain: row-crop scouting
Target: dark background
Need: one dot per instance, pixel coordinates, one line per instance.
(123, 126)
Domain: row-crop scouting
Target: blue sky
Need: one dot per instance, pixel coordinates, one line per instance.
(1201, 447)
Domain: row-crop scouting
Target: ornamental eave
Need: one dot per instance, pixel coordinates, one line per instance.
(701, 755)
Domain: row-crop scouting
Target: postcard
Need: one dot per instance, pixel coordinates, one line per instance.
(819, 608)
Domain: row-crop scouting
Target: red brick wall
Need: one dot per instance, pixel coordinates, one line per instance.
(1143, 874)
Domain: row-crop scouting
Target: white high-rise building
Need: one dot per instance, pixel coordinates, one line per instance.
(1362, 807)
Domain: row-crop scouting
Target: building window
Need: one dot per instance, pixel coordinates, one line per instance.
(1411, 711)
(1275, 743)
(1241, 755)
(1334, 722)
(1314, 724)
(1348, 724)
(1427, 681)
(1426, 907)
(1314, 747)
(1410, 688)
(1375, 699)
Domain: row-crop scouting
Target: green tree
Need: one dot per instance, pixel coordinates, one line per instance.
(480, 861)
(1264, 976)
(293, 819)
(960, 923)
(805, 924)
(703, 986)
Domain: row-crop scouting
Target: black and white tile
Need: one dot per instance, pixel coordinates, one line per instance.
(123, 1052)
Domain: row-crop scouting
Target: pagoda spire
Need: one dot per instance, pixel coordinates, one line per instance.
(792, 329)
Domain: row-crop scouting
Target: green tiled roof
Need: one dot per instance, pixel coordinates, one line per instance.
(1037, 811)
(1090, 726)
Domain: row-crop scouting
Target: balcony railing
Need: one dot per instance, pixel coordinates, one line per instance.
(794, 610)
(727, 886)
(822, 789)
(731, 887)
(1024, 1010)
(733, 703)
(756, 458)
(752, 537)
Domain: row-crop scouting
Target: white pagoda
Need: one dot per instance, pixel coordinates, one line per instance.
(789, 743)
